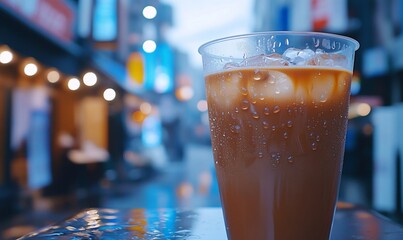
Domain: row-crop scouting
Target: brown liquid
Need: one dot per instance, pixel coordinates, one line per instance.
(278, 137)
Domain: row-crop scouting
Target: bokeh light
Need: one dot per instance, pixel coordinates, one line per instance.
(73, 84)
(90, 79)
(149, 46)
(146, 108)
(53, 76)
(6, 57)
(149, 12)
(363, 109)
(109, 94)
(202, 105)
(30, 69)
(184, 93)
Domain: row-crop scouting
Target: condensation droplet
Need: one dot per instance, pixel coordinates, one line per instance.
(289, 123)
(257, 76)
(255, 115)
(235, 128)
(275, 159)
(266, 111)
(322, 98)
(290, 159)
(265, 124)
(314, 146)
(260, 154)
(285, 135)
(318, 138)
(244, 91)
(276, 109)
(273, 128)
(244, 104)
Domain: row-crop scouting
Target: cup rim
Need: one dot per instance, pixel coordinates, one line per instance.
(202, 48)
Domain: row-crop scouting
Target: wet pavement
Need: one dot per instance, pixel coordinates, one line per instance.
(186, 184)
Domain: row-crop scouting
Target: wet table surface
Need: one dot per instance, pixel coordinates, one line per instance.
(351, 222)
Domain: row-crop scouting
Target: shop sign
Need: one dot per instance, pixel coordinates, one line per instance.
(55, 17)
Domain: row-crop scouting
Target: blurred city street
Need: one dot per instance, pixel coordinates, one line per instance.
(187, 184)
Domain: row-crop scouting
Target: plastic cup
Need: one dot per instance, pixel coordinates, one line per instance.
(278, 106)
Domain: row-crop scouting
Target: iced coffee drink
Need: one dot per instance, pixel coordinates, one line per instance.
(278, 124)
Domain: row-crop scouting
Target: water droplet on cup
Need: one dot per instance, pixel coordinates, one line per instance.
(257, 76)
(276, 109)
(275, 159)
(266, 111)
(244, 104)
(235, 128)
(244, 91)
(290, 159)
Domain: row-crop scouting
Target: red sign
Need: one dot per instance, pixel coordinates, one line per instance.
(53, 16)
(320, 14)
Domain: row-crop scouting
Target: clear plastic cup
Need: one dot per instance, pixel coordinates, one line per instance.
(278, 106)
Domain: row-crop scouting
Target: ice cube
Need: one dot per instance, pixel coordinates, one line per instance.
(306, 54)
(275, 59)
(330, 60)
(343, 83)
(322, 87)
(227, 90)
(291, 54)
(231, 65)
(271, 85)
(298, 56)
(264, 60)
(300, 94)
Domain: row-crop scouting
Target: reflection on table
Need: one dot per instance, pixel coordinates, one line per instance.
(351, 222)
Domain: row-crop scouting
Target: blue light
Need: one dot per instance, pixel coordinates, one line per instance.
(105, 27)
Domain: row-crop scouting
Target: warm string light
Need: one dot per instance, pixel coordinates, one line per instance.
(53, 76)
(109, 94)
(31, 68)
(73, 84)
(6, 56)
(90, 79)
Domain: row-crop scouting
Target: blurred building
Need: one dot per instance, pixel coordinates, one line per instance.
(82, 84)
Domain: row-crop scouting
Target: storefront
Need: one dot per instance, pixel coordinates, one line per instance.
(37, 46)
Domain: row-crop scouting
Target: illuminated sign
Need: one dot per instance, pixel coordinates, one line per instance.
(105, 21)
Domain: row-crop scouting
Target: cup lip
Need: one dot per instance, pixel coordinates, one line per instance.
(202, 48)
